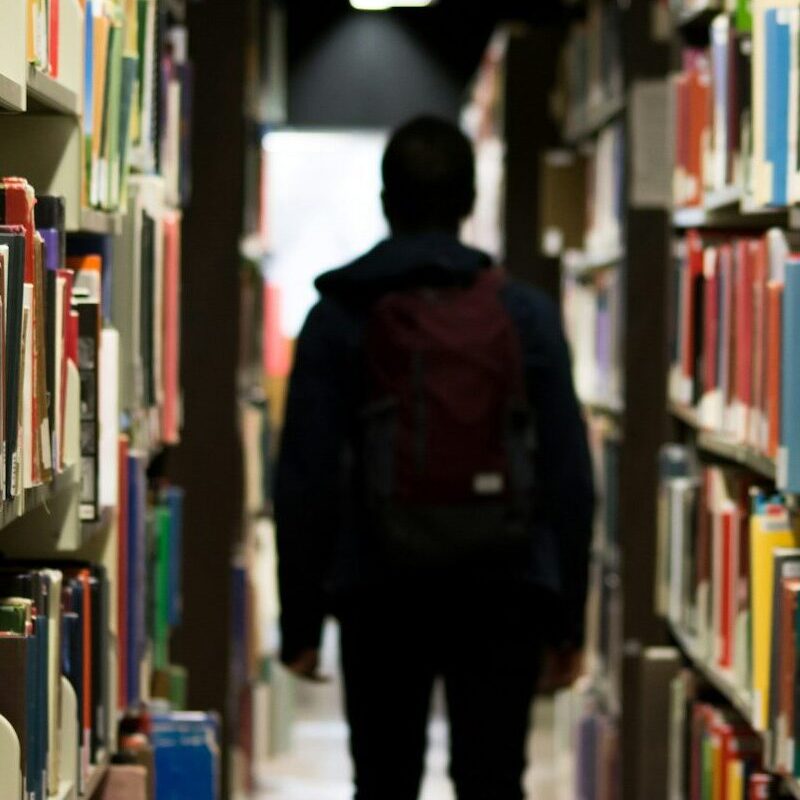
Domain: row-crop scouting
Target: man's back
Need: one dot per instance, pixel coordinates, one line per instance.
(402, 627)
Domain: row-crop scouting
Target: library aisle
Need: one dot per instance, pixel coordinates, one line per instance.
(318, 765)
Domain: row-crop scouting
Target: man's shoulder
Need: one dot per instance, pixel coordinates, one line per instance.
(531, 308)
(332, 320)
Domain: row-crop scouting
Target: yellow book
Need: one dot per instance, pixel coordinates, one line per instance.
(735, 783)
(716, 768)
(770, 527)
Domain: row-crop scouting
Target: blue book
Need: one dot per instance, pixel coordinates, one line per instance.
(173, 498)
(186, 754)
(789, 453)
(33, 712)
(777, 75)
(137, 574)
(88, 75)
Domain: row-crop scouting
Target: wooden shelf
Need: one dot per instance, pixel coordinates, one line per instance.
(253, 248)
(739, 698)
(47, 93)
(727, 209)
(608, 408)
(96, 777)
(593, 119)
(722, 446)
(585, 266)
(103, 222)
(31, 499)
(697, 17)
(792, 785)
(100, 526)
(12, 94)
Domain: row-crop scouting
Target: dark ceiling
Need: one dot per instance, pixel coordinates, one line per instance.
(455, 32)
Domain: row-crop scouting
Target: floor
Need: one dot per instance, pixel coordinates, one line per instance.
(318, 767)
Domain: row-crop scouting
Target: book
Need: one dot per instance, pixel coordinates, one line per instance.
(770, 528)
(727, 337)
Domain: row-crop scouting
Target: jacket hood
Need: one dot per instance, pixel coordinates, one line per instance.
(405, 260)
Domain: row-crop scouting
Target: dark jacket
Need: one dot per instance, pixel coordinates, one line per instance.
(318, 541)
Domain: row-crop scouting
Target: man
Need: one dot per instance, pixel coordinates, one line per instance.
(434, 488)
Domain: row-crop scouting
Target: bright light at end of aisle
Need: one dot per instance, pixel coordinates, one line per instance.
(385, 5)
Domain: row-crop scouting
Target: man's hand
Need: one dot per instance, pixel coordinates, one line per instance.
(560, 669)
(306, 667)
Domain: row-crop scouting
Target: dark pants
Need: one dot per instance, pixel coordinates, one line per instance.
(484, 644)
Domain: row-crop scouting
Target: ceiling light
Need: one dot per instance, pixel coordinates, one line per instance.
(385, 5)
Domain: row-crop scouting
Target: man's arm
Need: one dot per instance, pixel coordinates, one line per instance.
(564, 470)
(307, 481)
(566, 473)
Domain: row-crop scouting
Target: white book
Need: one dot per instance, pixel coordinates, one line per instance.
(58, 433)
(108, 420)
(26, 416)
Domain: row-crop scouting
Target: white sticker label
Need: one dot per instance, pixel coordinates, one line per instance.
(488, 483)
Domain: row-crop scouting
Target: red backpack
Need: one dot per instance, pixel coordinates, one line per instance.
(448, 455)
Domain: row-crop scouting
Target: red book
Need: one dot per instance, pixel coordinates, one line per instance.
(737, 743)
(20, 200)
(694, 270)
(55, 30)
(774, 348)
(729, 525)
(711, 337)
(122, 576)
(69, 278)
(170, 422)
(277, 355)
(760, 786)
(759, 259)
(744, 333)
(788, 661)
(729, 323)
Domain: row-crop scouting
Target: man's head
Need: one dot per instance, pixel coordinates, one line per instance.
(428, 177)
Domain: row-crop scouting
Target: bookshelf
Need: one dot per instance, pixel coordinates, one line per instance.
(47, 93)
(723, 682)
(87, 514)
(607, 244)
(734, 223)
(725, 448)
(697, 16)
(585, 124)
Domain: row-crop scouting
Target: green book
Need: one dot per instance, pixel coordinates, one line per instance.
(707, 787)
(109, 146)
(744, 16)
(178, 687)
(130, 67)
(13, 618)
(163, 529)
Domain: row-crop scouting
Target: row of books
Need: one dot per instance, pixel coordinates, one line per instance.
(712, 753)
(593, 63)
(604, 606)
(741, 9)
(166, 753)
(597, 755)
(55, 620)
(42, 303)
(728, 580)
(61, 311)
(593, 323)
(137, 100)
(736, 313)
(42, 39)
(736, 108)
